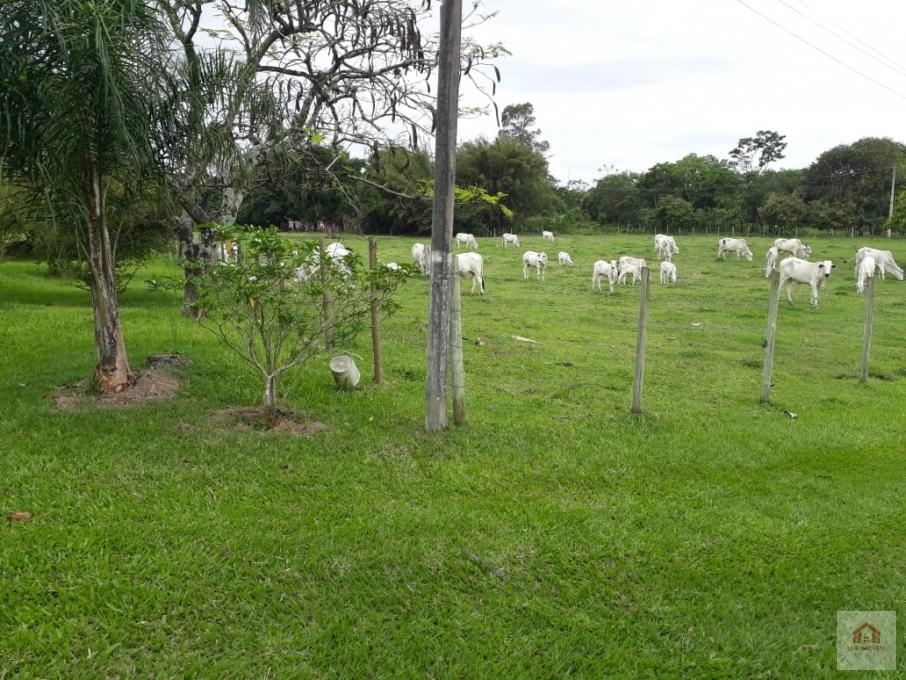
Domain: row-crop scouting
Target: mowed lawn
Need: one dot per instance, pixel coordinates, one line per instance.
(553, 534)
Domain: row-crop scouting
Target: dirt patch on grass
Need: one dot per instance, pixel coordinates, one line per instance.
(264, 419)
(154, 383)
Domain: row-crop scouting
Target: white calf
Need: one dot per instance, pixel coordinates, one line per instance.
(604, 269)
(547, 236)
(865, 270)
(668, 272)
(509, 239)
(665, 247)
(630, 265)
(466, 239)
(794, 247)
(532, 259)
(796, 270)
(883, 261)
(733, 245)
(421, 255)
(564, 258)
(471, 264)
(770, 260)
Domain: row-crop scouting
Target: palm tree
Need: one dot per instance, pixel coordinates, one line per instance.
(77, 95)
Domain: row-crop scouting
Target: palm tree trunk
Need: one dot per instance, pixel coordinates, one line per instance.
(112, 373)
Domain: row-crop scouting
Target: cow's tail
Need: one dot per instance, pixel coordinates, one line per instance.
(482, 276)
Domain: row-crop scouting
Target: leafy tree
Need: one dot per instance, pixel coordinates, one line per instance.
(504, 166)
(697, 179)
(856, 179)
(897, 221)
(517, 121)
(394, 199)
(273, 316)
(756, 153)
(782, 212)
(675, 213)
(615, 199)
(77, 96)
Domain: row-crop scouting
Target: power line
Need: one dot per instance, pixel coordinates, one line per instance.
(818, 49)
(885, 61)
(859, 40)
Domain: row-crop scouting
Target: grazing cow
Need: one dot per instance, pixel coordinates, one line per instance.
(511, 239)
(471, 264)
(421, 255)
(532, 259)
(467, 239)
(604, 269)
(668, 272)
(883, 261)
(337, 253)
(797, 270)
(864, 271)
(665, 247)
(630, 265)
(391, 266)
(547, 236)
(564, 258)
(794, 247)
(733, 245)
(770, 260)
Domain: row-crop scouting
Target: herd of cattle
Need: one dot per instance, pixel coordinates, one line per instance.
(795, 268)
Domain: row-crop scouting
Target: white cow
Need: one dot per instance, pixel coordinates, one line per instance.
(668, 272)
(794, 247)
(421, 255)
(391, 266)
(511, 239)
(336, 251)
(630, 265)
(471, 264)
(467, 239)
(733, 245)
(532, 259)
(665, 246)
(770, 260)
(864, 271)
(604, 269)
(797, 270)
(547, 236)
(564, 258)
(883, 261)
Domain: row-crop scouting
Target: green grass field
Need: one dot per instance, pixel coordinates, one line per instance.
(553, 534)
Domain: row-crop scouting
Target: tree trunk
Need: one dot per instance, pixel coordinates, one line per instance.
(270, 390)
(112, 373)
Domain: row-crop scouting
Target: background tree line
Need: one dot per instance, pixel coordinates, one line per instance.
(847, 188)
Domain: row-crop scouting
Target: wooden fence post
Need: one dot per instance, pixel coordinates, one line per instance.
(640, 345)
(869, 323)
(456, 359)
(325, 298)
(768, 368)
(375, 318)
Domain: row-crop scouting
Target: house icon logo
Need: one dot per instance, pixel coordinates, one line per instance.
(866, 640)
(866, 634)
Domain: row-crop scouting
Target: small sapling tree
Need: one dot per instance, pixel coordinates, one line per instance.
(282, 303)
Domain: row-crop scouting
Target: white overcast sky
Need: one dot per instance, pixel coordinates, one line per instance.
(625, 84)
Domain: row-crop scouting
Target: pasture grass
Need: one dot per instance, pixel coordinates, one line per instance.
(553, 534)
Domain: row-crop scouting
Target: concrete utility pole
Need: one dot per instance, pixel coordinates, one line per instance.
(439, 303)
